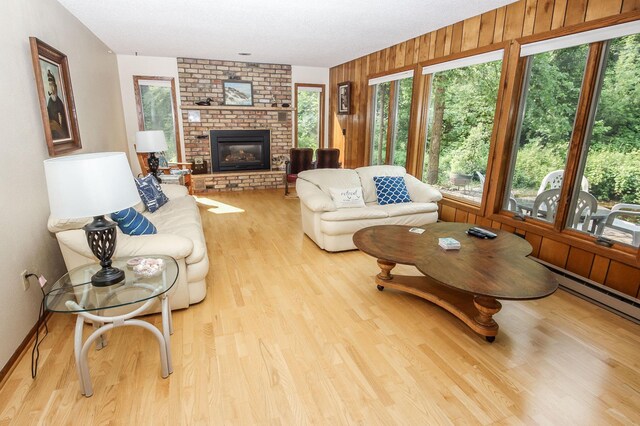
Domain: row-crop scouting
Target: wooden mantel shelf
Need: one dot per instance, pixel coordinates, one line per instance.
(227, 107)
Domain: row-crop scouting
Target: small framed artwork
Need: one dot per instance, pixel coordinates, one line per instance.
(53, 82)
(344, 97)
(238, 93)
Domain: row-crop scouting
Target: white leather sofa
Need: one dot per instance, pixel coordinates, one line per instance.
(332, 229)
(179, 235)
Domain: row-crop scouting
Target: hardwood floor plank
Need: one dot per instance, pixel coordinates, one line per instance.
(291, 334)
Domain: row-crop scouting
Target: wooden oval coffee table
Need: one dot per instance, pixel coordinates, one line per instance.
(465, 282)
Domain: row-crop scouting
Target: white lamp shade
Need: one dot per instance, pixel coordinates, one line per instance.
(89, 185)
(151, 141)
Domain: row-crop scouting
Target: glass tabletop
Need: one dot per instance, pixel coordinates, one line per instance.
(73, 292)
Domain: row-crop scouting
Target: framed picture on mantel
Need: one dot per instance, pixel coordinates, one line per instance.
(344, 98)
(57, 107)
(237, 93)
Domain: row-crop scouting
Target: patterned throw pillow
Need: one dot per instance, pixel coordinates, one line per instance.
(347, 197)
(391, 190)
(133, 223)
(151, 193)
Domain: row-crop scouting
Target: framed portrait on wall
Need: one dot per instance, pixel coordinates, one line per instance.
(58, 110)
(344, 98)
(237, 93)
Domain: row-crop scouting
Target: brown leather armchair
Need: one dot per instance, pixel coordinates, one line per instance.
(328, 158)
(300, 159)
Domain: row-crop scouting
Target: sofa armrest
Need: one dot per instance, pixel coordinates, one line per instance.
(131, 245)
(174, 191)
(313, 197)
(420, 192)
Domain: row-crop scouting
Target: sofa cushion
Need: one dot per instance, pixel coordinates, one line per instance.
(347, 197)
(331, 178)
(151, 193)
(366, 175)
(403, 209)
(391, 190)
(133, 223)
(353, 214)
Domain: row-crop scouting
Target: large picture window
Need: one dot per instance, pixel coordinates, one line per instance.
(462, 105)
(391, 115)
(156, 105)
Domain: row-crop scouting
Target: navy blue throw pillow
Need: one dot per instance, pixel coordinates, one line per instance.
(391, 190)
(133, 223)
(151, 193)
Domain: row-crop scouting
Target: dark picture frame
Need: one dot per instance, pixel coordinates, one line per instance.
(237, 93)
(344, 97)
(57, 107)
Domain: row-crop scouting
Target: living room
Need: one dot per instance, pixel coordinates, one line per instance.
(288, 332)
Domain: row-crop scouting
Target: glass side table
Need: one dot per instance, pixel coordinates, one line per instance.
(73, 293)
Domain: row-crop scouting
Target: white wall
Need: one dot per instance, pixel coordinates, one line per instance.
(316, 76)
(128, 66)
(25, 242)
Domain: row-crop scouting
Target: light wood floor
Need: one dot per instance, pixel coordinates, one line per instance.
(290, 334)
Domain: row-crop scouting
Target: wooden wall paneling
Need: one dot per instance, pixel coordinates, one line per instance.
(529, 17)
(472, 218)
(461, 216)
(559, 14)
(623, 278)
(409, 51)
(358, 105)
(576, 10)
(544, 14)
(456, 37)
(536, 241)
(630, 5)
(448, 213)
(495, 224)
(580, 261)
(432, 44)
(441, 34)
(501, 14)
(415, 120)
(520, 232)
(599, 269)
(554, 252)
(599, 9)
(447, 40)
(471, 33)
(401, 52)
(487, 28)
(425, 42)
(514, 20)
(508, 228)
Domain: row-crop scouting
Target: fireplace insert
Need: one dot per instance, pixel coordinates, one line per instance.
(240, 150)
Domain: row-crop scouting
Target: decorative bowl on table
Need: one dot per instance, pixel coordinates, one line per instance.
(134, 261)
(149, 267)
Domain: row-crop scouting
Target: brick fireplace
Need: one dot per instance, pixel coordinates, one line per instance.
(201, 79)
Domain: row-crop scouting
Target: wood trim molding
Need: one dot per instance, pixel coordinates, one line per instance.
(321, 142)
(176, 123)
(466, 54)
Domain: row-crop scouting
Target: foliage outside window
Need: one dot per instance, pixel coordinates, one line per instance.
(156, 100)
(309, 104)
(612, 150)
(461, 113)
(390, 124)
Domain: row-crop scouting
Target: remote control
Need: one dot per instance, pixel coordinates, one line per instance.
(487, 233)
(476, 234)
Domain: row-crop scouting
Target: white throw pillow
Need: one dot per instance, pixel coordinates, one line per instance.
(347, 197)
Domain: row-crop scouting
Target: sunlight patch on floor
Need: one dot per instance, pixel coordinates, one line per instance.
(217, 207)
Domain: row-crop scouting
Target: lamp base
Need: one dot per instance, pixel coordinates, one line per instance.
(154, 162)
(101, 236)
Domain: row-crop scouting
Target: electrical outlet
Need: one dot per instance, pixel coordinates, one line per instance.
(25, 280)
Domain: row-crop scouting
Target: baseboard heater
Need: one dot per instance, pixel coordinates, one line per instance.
(608, 298)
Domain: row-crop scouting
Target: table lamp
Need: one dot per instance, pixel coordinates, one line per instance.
(88, 185)
(151, 141)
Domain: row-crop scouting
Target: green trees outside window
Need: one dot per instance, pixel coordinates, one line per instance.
(156, 100)
(309, 104)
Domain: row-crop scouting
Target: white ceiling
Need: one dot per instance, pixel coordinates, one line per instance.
(320, 33)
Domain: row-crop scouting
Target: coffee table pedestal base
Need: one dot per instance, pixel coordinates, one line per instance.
(475, 311)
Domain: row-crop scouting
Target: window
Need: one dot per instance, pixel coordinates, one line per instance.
(581, 93)
(462, 105)
(611, 155)
(547, 112)
(309, 132)
(156, 104)
(391, 114)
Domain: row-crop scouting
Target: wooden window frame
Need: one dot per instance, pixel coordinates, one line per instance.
(176, 125)
(424, 86)
(514, 85)
(321, 142)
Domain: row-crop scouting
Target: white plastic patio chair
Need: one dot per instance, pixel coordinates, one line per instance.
(554, 180)
(612, 221)
(546, 206)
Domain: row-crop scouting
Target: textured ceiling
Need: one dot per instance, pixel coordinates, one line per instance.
(319, 33)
